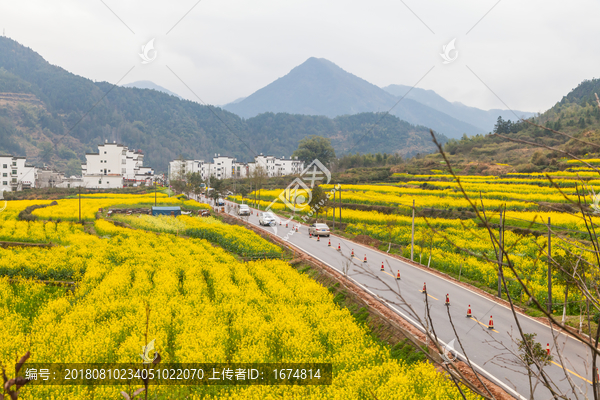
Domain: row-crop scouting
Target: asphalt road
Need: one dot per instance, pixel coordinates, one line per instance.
(485, 348)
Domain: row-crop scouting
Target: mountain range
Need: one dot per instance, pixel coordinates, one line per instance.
(54, 117)
(319, 87)
(548, 142)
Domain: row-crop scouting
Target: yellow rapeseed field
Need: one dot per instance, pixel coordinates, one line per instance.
(206, 306)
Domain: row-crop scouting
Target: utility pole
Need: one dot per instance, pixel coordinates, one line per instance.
(155, 193)
(79, 204)
(549, 268)
(209, 176)
(333, 210)
(500, 258)
(412, 234)
(340, 206)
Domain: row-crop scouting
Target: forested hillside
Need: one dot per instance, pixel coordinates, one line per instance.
(577, 114)
(54, 117)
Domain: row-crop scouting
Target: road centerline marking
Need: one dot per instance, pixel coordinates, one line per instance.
(571, 372)
(427, 294)
(482, 324)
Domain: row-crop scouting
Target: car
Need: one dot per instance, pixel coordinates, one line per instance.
(319, 229)
(266, 218)
(220, 202)
(243, 209)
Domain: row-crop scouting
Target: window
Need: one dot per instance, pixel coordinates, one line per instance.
(4, 175)
(4, 166)
(4, 183)
(124, 170)
(14, 164)
(104, 152)
(14, 171)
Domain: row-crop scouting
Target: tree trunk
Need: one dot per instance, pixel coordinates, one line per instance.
(565, 304)
(530, 385)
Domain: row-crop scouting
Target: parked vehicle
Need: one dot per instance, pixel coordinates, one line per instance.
(220, 202)
(319, 229)
(243, 209)
(266, 218)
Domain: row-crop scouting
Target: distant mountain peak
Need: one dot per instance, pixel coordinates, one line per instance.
(320, 87)
(151, 85)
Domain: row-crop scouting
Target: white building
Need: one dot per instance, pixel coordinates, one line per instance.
(277, 166)
(16, 174)
(178, 169)
(115, 166)
(223, 167)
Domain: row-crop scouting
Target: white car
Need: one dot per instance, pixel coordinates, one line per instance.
(244, 209)
(266, 218)
(319, 229)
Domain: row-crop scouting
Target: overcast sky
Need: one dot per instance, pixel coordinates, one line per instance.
(529, 53)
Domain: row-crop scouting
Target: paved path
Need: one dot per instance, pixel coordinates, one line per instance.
(483, 346)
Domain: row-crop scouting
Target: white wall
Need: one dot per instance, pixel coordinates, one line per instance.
(5, 169)
(177, 167)
(116, 161)
(98, 181)
(222, 167)
(16, 174)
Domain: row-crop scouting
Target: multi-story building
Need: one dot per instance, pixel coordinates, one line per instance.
(289, 166)
(178, 169)
(16, 174)
(115, 166)
(223, 167)
(274, 166)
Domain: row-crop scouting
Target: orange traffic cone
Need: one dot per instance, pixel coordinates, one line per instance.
(365, 258)
(424, 288)
(296, 228)
(447, 300)
(548, 348)
(309, 234)
(491, 324)
(382, 267)
(286, 224)
(469, 311)
(339, 247)
(352, 255)
(398, 276)
(318, 238)
(329, 245)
